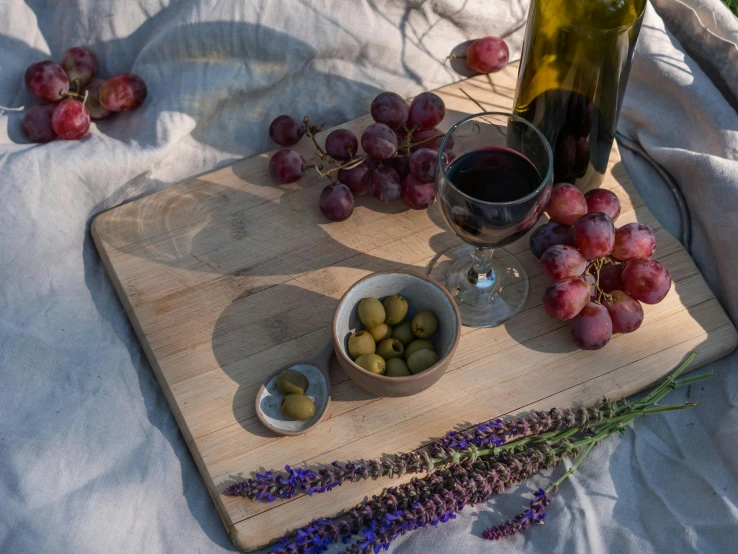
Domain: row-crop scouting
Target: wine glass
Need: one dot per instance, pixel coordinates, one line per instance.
(494, 177)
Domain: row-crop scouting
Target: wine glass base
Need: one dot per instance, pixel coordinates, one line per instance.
(487, 303)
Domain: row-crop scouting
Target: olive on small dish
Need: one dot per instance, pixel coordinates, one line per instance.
(297, 406)
(292, 381)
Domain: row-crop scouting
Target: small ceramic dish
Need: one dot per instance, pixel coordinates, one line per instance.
(422, 293)
(269, 397)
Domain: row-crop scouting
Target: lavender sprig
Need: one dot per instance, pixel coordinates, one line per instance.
(412, 505)
(536, 514)
(452, 448)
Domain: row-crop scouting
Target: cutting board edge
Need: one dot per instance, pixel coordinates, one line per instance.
(171, 401)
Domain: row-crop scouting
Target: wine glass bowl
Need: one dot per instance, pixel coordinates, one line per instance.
(494, 177)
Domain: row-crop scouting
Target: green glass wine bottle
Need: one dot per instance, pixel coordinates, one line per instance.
(573, 73)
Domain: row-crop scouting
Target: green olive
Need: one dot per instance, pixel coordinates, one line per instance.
(390, 348)
(395, 308)
(396, 367)
(292, 381)
(404, 333)
(421, 360)
(371, 312)
(361, 342)
(381, 332)
(297, 406)
(372, 363)
(418, 344)
(425, 324)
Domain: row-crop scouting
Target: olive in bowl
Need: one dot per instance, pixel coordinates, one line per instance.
(422, 294)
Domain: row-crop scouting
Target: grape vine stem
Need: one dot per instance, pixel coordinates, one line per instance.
(597, 265)
(311, 130)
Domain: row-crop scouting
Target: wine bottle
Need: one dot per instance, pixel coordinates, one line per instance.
(573, 73)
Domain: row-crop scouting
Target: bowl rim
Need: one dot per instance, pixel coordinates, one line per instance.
(340, 350)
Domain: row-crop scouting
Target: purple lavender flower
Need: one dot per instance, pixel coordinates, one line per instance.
(536, 514)
(269, 486)
(430, 500)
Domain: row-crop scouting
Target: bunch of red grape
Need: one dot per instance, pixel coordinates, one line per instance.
(601, 274)
(79, 94)
(400, 160)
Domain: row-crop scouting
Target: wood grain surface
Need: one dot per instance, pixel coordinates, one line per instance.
(228, 277)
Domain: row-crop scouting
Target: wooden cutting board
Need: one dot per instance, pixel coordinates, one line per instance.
(228, 277)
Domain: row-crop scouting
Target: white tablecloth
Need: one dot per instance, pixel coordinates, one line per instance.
(91, 459)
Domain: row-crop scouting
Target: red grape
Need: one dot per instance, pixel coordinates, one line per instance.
(384, 184)
(564, 158)
(70, 119)
(426, 111)
(566, 204)
(634, 240)
(549, 234)
(379, 141)
(566, 298)
(626, 312)
(47, 81)
(646, 280)
(423, 164)
(123, 92)
(336, 202)
(36, 123)
(610, 277)
(389, 108)
(357, 178)
(562, 262)
(417, 194)
(591, 329)
(424, 134)
(285, 131)
(401, 164)
(93, 100)
(487, 55)
(286, 166)
(581, 156)
(341, 144)
(594, 234)
(79, 64)
(603, 200)
(592, 284)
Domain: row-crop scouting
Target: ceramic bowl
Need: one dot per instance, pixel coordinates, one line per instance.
(422, 293)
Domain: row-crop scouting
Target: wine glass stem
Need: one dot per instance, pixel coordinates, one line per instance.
(481, 273)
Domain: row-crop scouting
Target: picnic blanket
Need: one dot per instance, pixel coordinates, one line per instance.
(91, 459)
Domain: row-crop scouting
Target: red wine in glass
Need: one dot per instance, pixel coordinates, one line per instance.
(487, 204)
(490, 194)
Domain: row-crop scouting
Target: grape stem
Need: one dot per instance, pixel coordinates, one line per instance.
(597, 266)
(78, 96)
(355, 161)
(408, 137)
